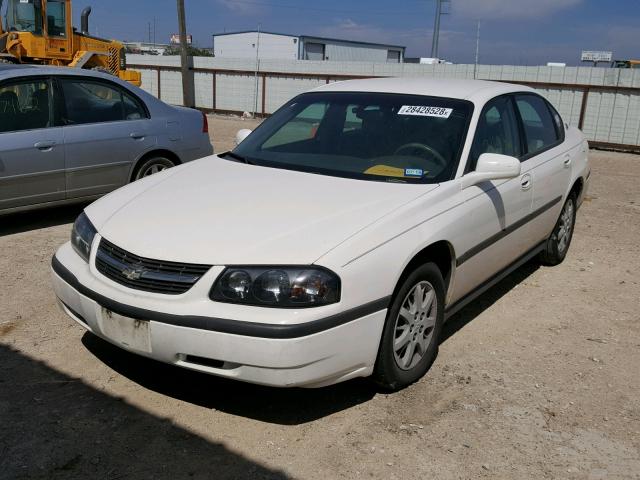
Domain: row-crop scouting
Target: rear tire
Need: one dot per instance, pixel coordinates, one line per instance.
(559, 241)
(5, 61)
(152, 165)
(411, 334)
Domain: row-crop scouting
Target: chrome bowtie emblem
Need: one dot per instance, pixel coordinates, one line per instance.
(132, 274)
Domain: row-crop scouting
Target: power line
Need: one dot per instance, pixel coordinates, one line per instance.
(331, 10)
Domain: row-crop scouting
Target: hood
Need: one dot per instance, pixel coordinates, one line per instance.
(219, 212)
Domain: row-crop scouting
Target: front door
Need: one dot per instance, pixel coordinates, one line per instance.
(496, 231)
(106, 129)
(32, 168)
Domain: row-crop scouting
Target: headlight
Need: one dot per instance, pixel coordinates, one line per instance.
(82, 236)
(285, 287)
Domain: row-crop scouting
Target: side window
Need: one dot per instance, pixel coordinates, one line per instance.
(24, 106)
(303, 127)
(497, 131)
(90, 101)
(56, 18)
(133, 110)
(540, 128)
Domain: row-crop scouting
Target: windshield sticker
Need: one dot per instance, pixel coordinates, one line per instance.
(413, 172)
(388, 171)
(424, 111)
(385, 171)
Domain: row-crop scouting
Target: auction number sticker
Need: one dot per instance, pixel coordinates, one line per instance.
(424, 111)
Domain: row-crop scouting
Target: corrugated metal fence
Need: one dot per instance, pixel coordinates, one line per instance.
(603, 102)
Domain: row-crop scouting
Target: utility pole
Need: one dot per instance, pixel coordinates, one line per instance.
(154, 32)
(475, 66)
(149, 34)
(187, 85)
(436, 26)
(255, 106)
(436, 30)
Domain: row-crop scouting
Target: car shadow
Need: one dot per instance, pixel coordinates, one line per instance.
(469, 313)
(58, 427)
(33, 220)
(290, 406)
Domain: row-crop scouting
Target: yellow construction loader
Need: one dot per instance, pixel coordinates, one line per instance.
(41, 32)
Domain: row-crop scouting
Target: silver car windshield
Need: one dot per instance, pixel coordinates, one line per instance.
(369, 136)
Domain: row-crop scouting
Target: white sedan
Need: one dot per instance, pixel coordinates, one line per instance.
(336, 239)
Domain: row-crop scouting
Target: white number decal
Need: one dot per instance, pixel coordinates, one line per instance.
(424, 111)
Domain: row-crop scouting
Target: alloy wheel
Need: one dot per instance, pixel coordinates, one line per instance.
(415, 325)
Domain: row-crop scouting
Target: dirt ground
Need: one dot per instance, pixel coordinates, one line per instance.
(539, 378)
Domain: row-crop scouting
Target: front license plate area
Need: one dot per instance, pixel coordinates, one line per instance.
(130, 333)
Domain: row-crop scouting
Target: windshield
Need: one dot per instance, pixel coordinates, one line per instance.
(370, 136)
(24, 16)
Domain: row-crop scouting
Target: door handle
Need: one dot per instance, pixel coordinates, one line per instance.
(525, 182)
(137, 135)
(567, 160)
(45, 145)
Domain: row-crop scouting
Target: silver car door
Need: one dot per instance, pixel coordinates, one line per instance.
(548, 158)
(32, 169)
(495, 229)
(105, 130)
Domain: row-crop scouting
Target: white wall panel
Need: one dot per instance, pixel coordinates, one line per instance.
(610, 117)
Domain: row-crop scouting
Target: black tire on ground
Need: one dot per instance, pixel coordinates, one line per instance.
(559, 241)
(152, 165)
(4, 60)
(398, 366)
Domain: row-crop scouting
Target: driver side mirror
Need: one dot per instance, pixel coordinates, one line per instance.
(241, 135)
(492, 166)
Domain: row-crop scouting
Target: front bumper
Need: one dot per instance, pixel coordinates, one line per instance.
(312, 353)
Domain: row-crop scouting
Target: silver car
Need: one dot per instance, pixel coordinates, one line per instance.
(70, 135)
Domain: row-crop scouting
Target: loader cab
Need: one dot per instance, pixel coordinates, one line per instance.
(59, 32)
(24, 16)
(47, 20)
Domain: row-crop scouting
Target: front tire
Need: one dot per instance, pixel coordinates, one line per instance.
(411, 335)
(151, 166)
(559, 241)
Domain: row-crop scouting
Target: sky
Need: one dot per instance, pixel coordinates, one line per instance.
(516, 32)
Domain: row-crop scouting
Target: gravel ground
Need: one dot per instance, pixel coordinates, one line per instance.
(537, 379)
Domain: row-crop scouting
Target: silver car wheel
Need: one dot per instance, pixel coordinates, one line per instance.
(151, 169)
(415, 325)
(565, 227)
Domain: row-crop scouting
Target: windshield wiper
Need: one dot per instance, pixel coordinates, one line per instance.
(239, 158)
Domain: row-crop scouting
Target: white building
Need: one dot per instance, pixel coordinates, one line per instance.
(269, 45)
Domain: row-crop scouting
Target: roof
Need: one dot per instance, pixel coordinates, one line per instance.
(12, 71)
(474, 90)
(326, 39)
(9, 66)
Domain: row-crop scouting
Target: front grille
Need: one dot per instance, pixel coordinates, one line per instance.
(141, 273)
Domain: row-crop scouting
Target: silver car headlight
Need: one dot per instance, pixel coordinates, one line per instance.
(82, 236)
(284, 287)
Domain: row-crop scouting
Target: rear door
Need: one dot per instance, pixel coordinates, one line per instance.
(32, 168)
(106, 129)
(548, 159)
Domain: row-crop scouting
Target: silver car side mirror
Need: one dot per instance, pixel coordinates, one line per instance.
(492, 166)
(241, 135)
